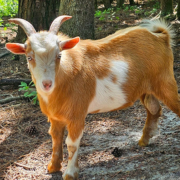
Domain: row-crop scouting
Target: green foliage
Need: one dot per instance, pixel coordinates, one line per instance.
(157, 5)
(32, 95)
(8, 8)
(98, 13)
(114, 13)
(108, 14)
(126, 8)
(99, 28)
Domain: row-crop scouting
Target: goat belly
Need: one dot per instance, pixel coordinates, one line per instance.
(109, 91)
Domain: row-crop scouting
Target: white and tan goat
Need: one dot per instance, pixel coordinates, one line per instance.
(74, 78)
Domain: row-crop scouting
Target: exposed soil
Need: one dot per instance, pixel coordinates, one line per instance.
(26, 146)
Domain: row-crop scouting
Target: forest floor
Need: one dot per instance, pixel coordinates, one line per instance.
(26, 146)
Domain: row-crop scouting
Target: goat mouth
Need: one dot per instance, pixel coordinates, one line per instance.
(45, 90)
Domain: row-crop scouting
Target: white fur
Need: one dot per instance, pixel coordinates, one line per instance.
(71, 168)
(154, 129)
(45, 48)
(107, 99)
(152, 26)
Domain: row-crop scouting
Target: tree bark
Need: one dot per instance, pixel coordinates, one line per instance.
(95, 4)
(40, 13)
(178, 10)
(107, 3)
(82, 22)
(166, 7)
(120, 3)
(131, 2)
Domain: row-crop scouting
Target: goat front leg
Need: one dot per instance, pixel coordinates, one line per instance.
(56, 131)
(75, 132)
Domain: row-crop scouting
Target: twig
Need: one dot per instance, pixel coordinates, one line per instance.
(156, 17)
(7, 100)
(4, 54)
(6, 95)
(14, 82)
(21, 165)
(116, 174)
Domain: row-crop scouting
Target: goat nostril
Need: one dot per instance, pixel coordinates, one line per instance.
(47, 84)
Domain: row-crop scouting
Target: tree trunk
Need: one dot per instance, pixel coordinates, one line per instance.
(131, 2)
(120, 3)
(82, 22)
(178, 10)
(40, 13)
(95, 5)
(107, 3)
(166, 7)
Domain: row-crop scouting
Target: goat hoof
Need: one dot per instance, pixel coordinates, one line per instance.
(143, 143)
(69, 177)
(52, 168)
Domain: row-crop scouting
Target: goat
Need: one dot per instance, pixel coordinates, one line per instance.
(74, 78)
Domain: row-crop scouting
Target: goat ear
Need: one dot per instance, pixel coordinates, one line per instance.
(68, 44)
(16, 48)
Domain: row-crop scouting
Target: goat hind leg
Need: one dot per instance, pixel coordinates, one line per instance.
(168, 94)
(153, 109)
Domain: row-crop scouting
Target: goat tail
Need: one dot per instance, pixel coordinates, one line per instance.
(159, 27)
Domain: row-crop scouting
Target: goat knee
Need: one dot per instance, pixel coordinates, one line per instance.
(152, 104)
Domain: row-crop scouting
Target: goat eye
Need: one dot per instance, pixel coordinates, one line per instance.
(59, 56)
(29, 58)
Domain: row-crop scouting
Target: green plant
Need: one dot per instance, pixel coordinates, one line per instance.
(98, 13)
(106, 14)
(146, 13)
(8, 8)
(126, 8)
(132, 8)
(32, 95)
(99, 28)
(156, 5)
(101, 18)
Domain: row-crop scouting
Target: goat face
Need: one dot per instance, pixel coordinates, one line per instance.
(43, 52)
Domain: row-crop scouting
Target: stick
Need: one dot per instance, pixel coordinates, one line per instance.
(4, 54)
(156, 17)
(14, 82)
(21, 165)
(7, 100)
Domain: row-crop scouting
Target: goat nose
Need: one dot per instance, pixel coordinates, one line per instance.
(47, 84)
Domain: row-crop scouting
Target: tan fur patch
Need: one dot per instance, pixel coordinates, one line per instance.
(71, 151)
(113, 78)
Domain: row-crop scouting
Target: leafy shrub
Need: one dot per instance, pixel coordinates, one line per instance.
(8, 8)
(32, 95)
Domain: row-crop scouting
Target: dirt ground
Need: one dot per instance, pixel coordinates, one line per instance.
(26, 146)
